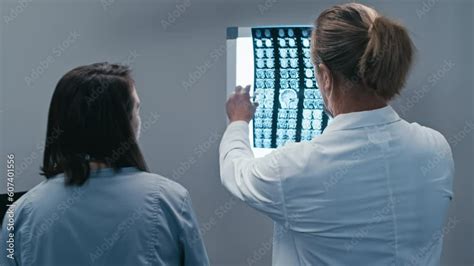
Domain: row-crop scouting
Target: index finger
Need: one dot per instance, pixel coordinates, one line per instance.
(246, 91)
(238, 89)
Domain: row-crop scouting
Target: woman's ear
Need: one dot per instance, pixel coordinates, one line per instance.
(325, 80)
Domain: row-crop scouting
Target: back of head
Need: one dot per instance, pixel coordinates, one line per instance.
(90, 119)
(363, 48)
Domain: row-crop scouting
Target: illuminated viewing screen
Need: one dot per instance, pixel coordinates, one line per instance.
(276, 62)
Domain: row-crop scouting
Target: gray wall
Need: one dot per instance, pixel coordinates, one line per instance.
(43, 39)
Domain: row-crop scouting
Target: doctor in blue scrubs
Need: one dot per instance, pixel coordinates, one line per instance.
(373, 189)
(99, 205)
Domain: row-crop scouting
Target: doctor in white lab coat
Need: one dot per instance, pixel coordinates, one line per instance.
(373, 189)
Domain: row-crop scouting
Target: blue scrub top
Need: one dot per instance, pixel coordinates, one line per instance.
(125, 218)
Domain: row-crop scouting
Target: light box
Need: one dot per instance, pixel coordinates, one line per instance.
(276, 62)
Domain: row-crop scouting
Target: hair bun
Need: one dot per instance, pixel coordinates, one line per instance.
(387, 58)
(362, 47)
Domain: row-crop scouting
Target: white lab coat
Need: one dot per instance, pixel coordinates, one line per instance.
(373, 189)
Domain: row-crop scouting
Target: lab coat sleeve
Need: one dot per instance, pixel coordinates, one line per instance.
(256, 181)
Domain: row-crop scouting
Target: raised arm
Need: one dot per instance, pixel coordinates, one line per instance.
(256, 181)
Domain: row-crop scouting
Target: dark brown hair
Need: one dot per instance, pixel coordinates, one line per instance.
(363, 48)
(90, 119)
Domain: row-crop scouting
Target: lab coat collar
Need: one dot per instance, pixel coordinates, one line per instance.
(381, 116)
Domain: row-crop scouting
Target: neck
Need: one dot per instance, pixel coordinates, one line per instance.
(97, 165)
(352, 103)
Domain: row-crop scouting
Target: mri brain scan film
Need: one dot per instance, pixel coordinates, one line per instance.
(290, 104)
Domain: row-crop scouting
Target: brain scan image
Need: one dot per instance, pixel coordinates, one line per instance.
(288, 99)
(290, 105)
